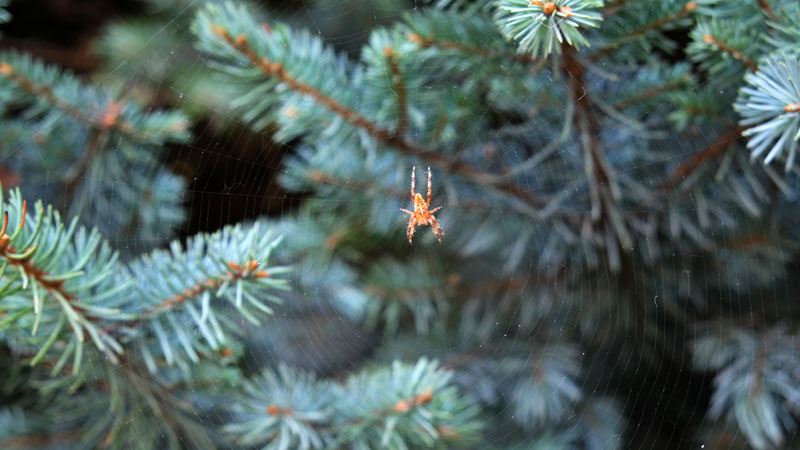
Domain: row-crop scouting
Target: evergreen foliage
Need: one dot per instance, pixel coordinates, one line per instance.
(104, 149)
(610, 197)
(540, 27)
(399, 407)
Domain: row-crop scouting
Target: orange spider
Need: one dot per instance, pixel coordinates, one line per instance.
(421, 215)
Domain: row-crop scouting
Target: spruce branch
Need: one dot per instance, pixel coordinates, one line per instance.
(767, 105)
(207, 28)
(735, 53)
(46, 93)
(602, 186)
(649, 93)
(78, 171)
(318, 176)
(724, 49)
(20, 429)
(459, 43)
(699, 106)
(283, 406)
(122, 392)
(180, 287)
(444, 87)
(702, 157)
(466, 6)
(622, 33)
(600, 426)
(785, 28)
(765, 6)
(541, 27)
(687, 9)
(546, 389)
(395, 288)
(431, 42)
(54, 277)
(756, 379)
(76, 125)
(276, 69)
(57, 89)
(402, 406)
(423, 408)
(236, 274)
(400, 91)
(752, 12)
(613, 7)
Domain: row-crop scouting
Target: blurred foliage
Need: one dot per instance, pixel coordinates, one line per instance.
(619, 268)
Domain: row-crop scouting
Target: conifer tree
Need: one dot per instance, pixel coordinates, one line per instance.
(613, 262)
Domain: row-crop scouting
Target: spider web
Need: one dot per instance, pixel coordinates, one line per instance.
(232, 177)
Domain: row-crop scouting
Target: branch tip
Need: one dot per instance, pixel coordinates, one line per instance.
(415, 38)
(403, 406)
(219, 31)
(24, 214)
(734, 52)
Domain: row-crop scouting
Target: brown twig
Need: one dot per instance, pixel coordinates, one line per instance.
(38, 441)
(763, 4)
(401, 406)
(400, 90)
(173, 412)
(456, 288)
(660, 23)
(276, 69)
(42, 277)
(604, 220)
(73, 176)
(588, 125)
(759, 366)
(429, 41)
(318, 176)
(236, 272)
(755, 240)
(649, 93)
(99, 125)
(685, 11)
(701, 157)
(12, 256)
(613, 7)
(107, 120)
(734, 52)
(406, 405)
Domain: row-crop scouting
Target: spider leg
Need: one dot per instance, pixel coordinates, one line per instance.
(437, 229)
(406, 211)
(429, 187)
(413, 180)
(410, 230)
(434, 210)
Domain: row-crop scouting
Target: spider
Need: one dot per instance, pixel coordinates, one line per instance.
(421, 215)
